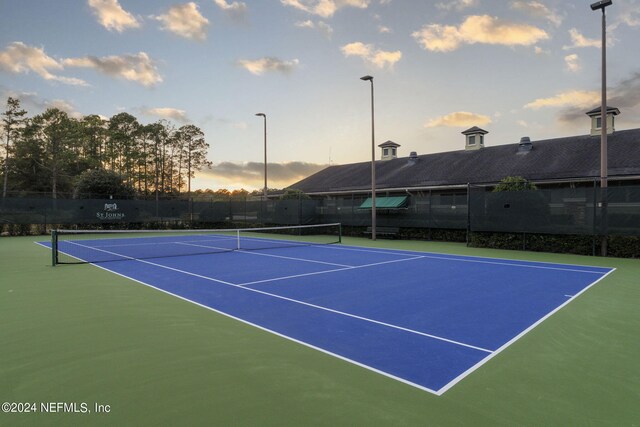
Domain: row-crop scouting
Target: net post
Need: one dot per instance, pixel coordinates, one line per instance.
(54, 247)
(238, 239)
(340, 233)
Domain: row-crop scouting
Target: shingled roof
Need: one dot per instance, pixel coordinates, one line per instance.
(571, 158)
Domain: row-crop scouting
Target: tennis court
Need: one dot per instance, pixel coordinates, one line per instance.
(425, 319)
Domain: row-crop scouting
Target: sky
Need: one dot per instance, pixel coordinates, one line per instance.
(512, 67)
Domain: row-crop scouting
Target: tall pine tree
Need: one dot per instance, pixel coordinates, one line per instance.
(12, 121)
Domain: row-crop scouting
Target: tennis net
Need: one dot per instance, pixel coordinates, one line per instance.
(94, 246)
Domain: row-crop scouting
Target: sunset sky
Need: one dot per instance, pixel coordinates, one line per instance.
(512, 67)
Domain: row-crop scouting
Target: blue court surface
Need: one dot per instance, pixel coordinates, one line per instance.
(425, 319)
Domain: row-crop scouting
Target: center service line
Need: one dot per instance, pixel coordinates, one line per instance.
(389, 325)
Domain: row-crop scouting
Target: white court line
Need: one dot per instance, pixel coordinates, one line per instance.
(439, 392)
(128, 258)
(480, 261)
(255, 325)
(373, 250)
(244, 251)
(319, 307)
(156, 242)
(514, 339)
(402, 252)
(328, 271)
(272, 255)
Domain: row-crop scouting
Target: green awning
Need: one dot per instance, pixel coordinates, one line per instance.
(387, 203)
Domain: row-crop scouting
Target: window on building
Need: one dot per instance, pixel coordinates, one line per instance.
(481, 139)
(393, 152)
(598, 122)
(385, 152)
(472, 140)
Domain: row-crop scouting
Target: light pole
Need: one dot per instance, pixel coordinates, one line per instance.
(373, 163)
(601, 5)
(265, 153)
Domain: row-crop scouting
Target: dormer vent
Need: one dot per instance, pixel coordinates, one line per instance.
(474, 138)
(525, 144)
(413, 158)
(596, 120)
(389, 150)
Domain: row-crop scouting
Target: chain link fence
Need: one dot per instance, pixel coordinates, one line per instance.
(575, 211)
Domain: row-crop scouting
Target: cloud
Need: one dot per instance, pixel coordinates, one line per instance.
(627, 13)
(573, 115)
(224, 122)
(537, 9)
(324, 8)
(65, 106)
(573, 63)
(305, 24)
(384, 30)
(368, 52)
(624, 95)
(578, 40)
(138, 68)
(186, 21)
(268, 64)
(574, 98)
(236, 10)
(540, 51)
(632, 18)
(20, 58)
(167, 113)
(438, 38)
(279, 174)
(26, 98)
(477, 29)
(458, 5)
(459, 118)
(320, 26)
(112, 16)
(31, 101)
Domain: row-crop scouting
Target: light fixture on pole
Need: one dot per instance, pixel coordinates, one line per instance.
(265, 153)
(373, 163)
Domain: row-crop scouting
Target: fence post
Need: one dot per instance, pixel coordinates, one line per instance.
(429, 219)
(299, 208)
(54, 248)
(595, 213)
(605, 220)
(468, 213)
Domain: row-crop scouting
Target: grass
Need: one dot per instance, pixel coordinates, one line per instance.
(82, 334)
